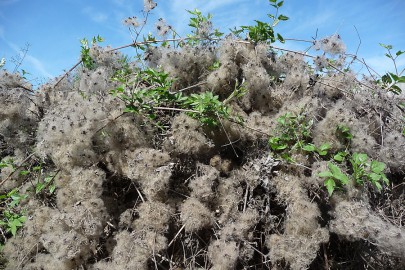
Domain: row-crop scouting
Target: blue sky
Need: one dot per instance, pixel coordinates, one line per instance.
(53, 28)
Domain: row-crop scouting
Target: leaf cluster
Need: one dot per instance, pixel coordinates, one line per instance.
(264, 31)
(293, 133)
(87, 61)
(390, 80)
(363, 170)
(11, 217)
(199, 22)
(208, 108)
(147, 91)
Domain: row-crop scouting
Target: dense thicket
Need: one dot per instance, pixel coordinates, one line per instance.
(168, 192)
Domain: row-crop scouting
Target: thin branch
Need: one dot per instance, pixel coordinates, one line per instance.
(115, 118)
(66, 73)
(26, 88)
(177, 234)
(192, 86)
(16, 169)
(174, 109)
(357, 50)
(227, 136)
(134, 44)
(300, 40)
(358, 35)
(20, 58)
(340, 89)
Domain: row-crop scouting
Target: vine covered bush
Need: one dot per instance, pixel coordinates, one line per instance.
(208, 151)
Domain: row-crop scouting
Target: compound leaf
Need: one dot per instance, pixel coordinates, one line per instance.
(330, 185)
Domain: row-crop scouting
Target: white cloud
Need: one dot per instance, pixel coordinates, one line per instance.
(95, 15)
(38, 65)
(30, 60)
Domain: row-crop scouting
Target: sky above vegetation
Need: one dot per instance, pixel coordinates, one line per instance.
(53, 29)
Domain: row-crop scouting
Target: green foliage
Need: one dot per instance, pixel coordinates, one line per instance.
(2, 62)
(264, 31)
(363, 169)
(87, 61)
(293, 133)
(208, 108)
(334, 177)
(343, 134)
(201, 26)
(11, 218)
(9, 162)
(214, 66)
(340, 156)
(45, 183)
(146, 91)
(390, 81)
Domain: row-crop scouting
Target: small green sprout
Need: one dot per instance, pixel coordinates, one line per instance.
(264, 31)
(334, 177)
(390, 81)
(363, 169)
(87, 61)
(11, 218)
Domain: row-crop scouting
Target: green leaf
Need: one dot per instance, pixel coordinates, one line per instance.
(340, 156)
(287, 157)
(280, 4)
(280, 38)
(323, 149)
(283, 18)
(2, 62)
(385, 179)
(36, 168)
(398, 53)
(52, 188)
(330, 185)
(377, 167)
(3, 165)
(48, 179)
(344, 131)
(360, 158)
(13, 228)
(395, 89)
(378, 185)
(39, 187)
(374, 177)
(395, 77)
(100, 39)
(23, 173)
(15, 223)
(309, 147)
(401, 79)
(325, 174)
(276, 143)
(388, 47)
(337, 173)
